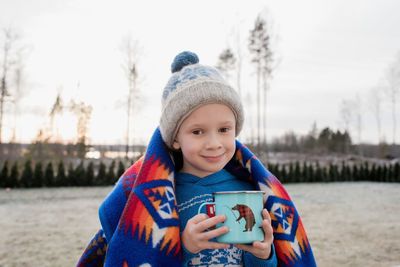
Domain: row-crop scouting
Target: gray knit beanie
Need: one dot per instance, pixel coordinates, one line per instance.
(191, 86)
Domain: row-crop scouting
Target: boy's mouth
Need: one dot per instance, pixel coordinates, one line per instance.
(214, 158)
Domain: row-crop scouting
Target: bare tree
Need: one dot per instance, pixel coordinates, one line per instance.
(375, 102)
(130, 50)
(393, 90)
(260, 48)
(239, 64)
(358, 121)
(18, 93)
(83, 113)
(346, 115)
(9, 41)
(56, 109)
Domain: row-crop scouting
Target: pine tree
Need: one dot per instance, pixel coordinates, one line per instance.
(38, 175)
(90, 174)
(372, 174)
(284, 174)
(80, 175)
(49, 175)
(101, 174)
(261, 57)
(311, 173)
(397, 172)
(27, 175)
(14, 176)
(121, 169)
(71, 178)
(297, 173)
(318, 173)
(61, 178)
(226, 63)
(385, 173)
(304, 173)
(111, 177)
(4, 175)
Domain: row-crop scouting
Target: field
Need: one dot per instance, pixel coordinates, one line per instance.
(348, 224)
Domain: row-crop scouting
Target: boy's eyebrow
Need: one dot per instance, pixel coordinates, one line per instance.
(203, 125)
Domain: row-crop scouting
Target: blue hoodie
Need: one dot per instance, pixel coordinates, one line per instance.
(191, 191)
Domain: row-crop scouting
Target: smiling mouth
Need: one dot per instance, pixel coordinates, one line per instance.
(214, 158)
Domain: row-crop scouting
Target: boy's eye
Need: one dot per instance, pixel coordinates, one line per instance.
(224, 129)
(197, 132)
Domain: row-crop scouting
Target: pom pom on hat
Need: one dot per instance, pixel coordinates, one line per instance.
(191, 86)
(183, 59)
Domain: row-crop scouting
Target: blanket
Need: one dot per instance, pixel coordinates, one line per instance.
(140, 222)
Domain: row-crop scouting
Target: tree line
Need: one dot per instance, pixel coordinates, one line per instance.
(41, 174)
(45, 175)
(309, 172)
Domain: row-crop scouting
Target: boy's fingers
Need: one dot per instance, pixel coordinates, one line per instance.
(247, 248)
(210, 222)
(266, 215)
(268, 231)
(198, 218)
(214, 233)
(260, 245)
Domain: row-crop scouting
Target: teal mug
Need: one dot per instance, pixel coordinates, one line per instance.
(243, 211)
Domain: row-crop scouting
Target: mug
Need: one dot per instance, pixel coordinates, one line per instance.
(243, 215)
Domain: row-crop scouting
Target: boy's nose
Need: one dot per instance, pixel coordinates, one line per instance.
(213, 142)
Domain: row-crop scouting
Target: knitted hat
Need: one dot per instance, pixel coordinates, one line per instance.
(193, 85)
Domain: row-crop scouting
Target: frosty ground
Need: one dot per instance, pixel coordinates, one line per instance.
(348, 224)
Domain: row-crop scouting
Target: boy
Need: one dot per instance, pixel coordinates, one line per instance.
(201, 116)
(204, 131)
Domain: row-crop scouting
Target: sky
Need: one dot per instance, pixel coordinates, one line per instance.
(325, 52)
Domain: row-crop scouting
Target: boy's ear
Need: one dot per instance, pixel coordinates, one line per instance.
(176, 145)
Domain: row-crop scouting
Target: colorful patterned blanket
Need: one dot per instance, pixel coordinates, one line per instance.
(140, 223)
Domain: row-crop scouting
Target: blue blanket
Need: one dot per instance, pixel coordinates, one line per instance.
(140, 222)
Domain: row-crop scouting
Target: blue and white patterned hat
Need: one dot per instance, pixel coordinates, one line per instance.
(191, 86)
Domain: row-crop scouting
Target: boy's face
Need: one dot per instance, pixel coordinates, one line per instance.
(207, 139)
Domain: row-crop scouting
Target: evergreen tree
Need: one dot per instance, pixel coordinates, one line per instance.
(332, 173)
(90, 174)
(397, 172)
(80, 175)
(284, 174)
(101, 174)
(38, 175)
(318, 173)
(297, 173)
(121, 169)
(49, 175)
(390, 173)
(373, 174)
(311, 173)
(379, 173)
(111, 177)
(14, 176)
(365, 172)
(4, 175)
(61, 178)
(304, 173)
(226, 63)
(71, 178)
(27, 175)
(290, 174)
(385, 173)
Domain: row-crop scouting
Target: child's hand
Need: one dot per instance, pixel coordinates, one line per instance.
(195, 236)
(259, 249)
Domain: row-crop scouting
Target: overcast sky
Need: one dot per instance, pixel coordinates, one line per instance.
(326, 52)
